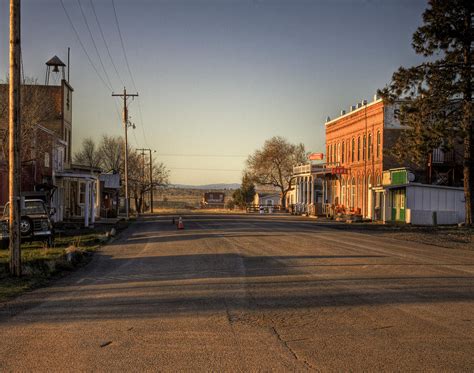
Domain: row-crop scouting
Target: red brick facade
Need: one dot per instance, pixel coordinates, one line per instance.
(356, 141)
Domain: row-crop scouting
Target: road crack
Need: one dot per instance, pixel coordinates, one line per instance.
(291, 351)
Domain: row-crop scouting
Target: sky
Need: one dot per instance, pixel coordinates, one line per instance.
(216, 78)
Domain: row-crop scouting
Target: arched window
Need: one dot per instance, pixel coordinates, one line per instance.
(378, 144)
(353, 150)
(369, 147)
(328, 153)
(343, 153)
(378, 179)
(364, 148)
(338, 151)
(358, 149)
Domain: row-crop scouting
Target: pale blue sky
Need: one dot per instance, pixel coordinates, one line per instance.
(218, 77)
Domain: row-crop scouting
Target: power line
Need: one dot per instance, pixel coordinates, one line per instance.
(141, 121)
(117, 110)
(204, 155)
(83, 47)
(123, 46)
(105, 42)
(130, 73)
(203, 169)
(93, 43)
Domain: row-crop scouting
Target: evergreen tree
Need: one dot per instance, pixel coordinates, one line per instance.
(244, 195)
(436, 96)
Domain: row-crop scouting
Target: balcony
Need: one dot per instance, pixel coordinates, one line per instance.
(441, 157)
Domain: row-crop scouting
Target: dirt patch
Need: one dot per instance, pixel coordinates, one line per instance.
(449, 237)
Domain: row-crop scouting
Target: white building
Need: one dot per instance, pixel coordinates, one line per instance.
(401, 200)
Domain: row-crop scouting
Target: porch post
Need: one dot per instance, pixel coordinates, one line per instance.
(305, 189)
(296, 190)
(87, 205)
(93, 186)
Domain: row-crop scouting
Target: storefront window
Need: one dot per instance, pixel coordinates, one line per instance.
(343, 192)
(82, 193)
(353, 192)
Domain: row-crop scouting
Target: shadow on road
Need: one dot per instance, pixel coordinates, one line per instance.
(125, 285)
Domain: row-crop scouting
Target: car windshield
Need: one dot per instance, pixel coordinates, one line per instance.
(31, 208)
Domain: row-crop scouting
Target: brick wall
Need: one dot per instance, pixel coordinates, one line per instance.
(358, 142)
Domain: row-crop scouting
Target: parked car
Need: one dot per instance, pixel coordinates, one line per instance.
(35, 223)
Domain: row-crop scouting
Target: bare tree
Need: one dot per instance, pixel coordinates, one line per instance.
(108, 155)
(273, 164)
(89, 154)
(39, 106)
(139, 178)
(111, 153)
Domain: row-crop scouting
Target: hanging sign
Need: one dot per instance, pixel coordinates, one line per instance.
(316, 156)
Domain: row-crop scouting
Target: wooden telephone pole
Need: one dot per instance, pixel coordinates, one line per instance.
(14, 138)
(125, 95)
(151, 175)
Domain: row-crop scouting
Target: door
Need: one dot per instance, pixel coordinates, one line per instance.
(398, 205)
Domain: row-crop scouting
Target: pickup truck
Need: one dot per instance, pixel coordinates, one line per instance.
(35, 224)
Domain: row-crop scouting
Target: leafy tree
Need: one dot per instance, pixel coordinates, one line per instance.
(436, 96)
(273, 164)
(244, 195)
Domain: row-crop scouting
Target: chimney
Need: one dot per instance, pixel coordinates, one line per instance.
(343, 112)
(328, 119)
(353, 107)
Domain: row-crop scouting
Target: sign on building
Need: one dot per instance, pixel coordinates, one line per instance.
(316, 156)
(339, 170)
(213, 200)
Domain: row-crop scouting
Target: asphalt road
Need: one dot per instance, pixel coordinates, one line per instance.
(247, 293)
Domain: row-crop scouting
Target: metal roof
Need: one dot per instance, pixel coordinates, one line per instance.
(55, 61)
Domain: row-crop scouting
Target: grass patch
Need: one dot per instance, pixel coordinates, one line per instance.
(42, 264)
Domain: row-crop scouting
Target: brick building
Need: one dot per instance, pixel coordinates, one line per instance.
(355, 156)
(46, 134)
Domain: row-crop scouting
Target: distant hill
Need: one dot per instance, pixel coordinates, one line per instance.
(208, 186)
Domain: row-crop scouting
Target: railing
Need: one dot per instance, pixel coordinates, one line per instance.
(302, 169)
(266, 208)
(439, 156)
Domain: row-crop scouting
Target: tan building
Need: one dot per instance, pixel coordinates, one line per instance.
(355, 144)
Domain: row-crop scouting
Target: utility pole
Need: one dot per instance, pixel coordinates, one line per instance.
(125, 95)
(14, 138)
(151, 175)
